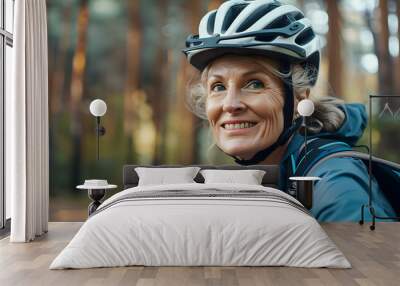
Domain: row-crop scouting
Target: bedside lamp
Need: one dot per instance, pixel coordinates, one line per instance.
(305, 109)
(98, 108)
(304, 185)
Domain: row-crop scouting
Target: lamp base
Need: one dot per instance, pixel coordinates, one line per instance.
(95, 195)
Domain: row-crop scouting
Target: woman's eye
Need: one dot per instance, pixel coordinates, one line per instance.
(255, 84)
(218, 87)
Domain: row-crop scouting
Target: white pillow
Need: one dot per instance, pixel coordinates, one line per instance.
(162, 176)
(249, 177)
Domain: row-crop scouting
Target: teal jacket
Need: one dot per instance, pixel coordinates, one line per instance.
(338, 196)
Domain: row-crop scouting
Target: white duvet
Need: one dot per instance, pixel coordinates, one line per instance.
(183, 231)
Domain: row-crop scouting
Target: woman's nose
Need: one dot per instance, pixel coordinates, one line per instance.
(232, 102)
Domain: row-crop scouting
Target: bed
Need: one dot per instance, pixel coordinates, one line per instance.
(201, 224)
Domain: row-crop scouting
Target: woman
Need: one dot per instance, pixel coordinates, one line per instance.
(258, 59)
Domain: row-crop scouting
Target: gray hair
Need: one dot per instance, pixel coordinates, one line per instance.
(327, 115)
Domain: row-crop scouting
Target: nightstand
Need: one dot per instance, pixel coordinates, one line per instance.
(96, 191)
(303, 189)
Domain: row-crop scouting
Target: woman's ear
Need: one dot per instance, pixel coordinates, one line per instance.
(305, 94)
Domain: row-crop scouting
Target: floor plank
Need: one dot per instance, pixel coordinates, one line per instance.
(374, 255)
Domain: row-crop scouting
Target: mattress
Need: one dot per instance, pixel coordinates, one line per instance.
(201, 225)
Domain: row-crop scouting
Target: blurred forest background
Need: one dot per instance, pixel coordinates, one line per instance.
(128, 53)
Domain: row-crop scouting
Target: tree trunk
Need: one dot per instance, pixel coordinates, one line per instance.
(385, 61)
(56, 84)
(159, 92)
(334, 48)
(397, 59)
(194, 12)
(388, 132)
(133, 52)
(213, 4)
(57, 92)
(301, 4)
(78, 70)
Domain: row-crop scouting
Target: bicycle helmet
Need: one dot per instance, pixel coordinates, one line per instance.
(259, 27)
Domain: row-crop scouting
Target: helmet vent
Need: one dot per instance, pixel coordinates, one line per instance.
(280, 22)
(210, 23)
(231, 15)
(257, 15)
(305, 37)
(297, 15)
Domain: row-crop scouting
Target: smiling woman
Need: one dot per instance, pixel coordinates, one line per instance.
(250, 90)
(244, 105)
(256, 61)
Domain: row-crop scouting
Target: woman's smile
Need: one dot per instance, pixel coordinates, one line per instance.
(238, 127)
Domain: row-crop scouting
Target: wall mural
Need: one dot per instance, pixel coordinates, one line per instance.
(128, 53)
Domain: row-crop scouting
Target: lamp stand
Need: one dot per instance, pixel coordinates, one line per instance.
(304, 125)
(100, 131)
(369, 206)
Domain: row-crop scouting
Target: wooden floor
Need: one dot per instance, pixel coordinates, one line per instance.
(375, 257)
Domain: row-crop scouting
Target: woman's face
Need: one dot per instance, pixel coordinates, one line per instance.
(244, 104)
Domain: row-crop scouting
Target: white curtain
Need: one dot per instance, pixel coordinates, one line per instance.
(27, 147)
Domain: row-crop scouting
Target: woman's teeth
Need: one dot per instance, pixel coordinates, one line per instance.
(239, 125)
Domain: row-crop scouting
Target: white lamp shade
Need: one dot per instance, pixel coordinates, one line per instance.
(98, 107)
(305, 107)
